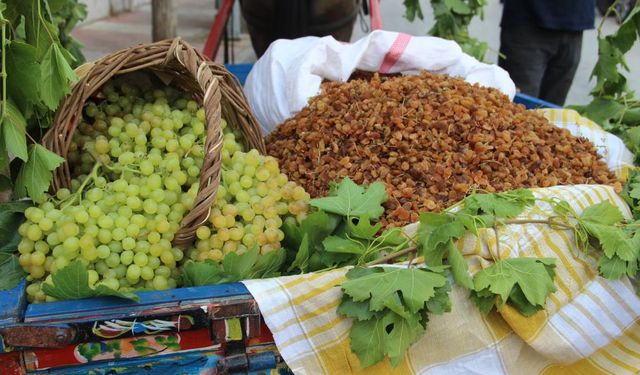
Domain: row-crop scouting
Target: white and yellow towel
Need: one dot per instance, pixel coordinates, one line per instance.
(590, 325)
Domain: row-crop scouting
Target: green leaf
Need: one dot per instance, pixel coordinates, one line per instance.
(413, 10)
(484, 300)
(602, 110)
(363, 229)
(14, 128)
(10, 219)
(505, 205)
(201, 273)
(238, 267)
(368, 341)
(436, 230)
(602, 213)
(401, 333)
(612, 268)
(56, 76)
(35, 175)
(350, 200)
(458, 6)
(520, 302)
(533, 275)
(392, 237)
(72, 282)
(415, 285)
(336, 244)
(459, 267)
(268, 265)
(316, 226)
(440, 303)
(625, 36)
(613, 240)
(10, 270)
(301, 261)
(606, 66)
(23, 75)
(357, 310)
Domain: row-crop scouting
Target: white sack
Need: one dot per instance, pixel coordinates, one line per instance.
(290, 72)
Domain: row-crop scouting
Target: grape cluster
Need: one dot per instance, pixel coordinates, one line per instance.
(251, 200)
(135, 161)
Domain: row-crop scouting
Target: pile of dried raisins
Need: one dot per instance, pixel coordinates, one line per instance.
(431, 139)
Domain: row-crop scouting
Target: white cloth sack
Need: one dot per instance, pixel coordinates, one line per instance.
(291, 71)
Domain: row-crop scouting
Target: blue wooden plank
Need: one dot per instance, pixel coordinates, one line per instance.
(241, 71)
(189, 363)
(12, 303)
(532, 102)
(109, 307)
(186, 363)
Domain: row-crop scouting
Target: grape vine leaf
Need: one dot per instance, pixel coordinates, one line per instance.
(35, 175)
(458, 6)
(14, 128)
(614, 268)
(357, 310)
(604, 212)
(11, 271)
(10, 268)
(368, 340)
(23, 76)
(413, 10)
(301, 260)
(381, 329)
(401, 333)
(233, 268)
(533, 276)
(268, 265)
(434, 232)
(55, 74)
(416, 286)
(316, 226)
(508, 204)
(72, 282)
(599, 221)
(363, 229)
(201, 273)
(459, 267)
(349, 199)
(335, 244)
(440, 302)
(10, 219)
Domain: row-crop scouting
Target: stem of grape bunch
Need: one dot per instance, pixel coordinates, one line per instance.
(78, 194)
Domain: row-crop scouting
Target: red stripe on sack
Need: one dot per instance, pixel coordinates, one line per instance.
(394, 53)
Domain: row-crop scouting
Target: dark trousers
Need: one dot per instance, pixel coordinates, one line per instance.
(541, 62)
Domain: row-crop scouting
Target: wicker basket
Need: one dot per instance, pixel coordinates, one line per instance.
(209, 83)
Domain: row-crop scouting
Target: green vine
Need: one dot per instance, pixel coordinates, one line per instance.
(614, 105)
(36, 75)
(452, 19)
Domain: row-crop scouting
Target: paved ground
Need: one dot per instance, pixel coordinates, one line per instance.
(195, 18)
(114, 33)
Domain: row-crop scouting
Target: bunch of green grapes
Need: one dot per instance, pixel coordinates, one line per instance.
(251, 202)
(135, 162)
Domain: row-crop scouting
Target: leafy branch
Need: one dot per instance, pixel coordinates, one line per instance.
(452, 19)
(614, 105)
(36, 75)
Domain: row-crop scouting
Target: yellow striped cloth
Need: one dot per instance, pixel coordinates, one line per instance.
(590, 325)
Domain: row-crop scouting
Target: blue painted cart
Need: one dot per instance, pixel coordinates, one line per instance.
(199, 330)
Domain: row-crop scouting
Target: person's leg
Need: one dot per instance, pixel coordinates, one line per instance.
(562, 68)
(524, 54)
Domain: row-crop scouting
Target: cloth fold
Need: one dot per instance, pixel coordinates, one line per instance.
(590, 325)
